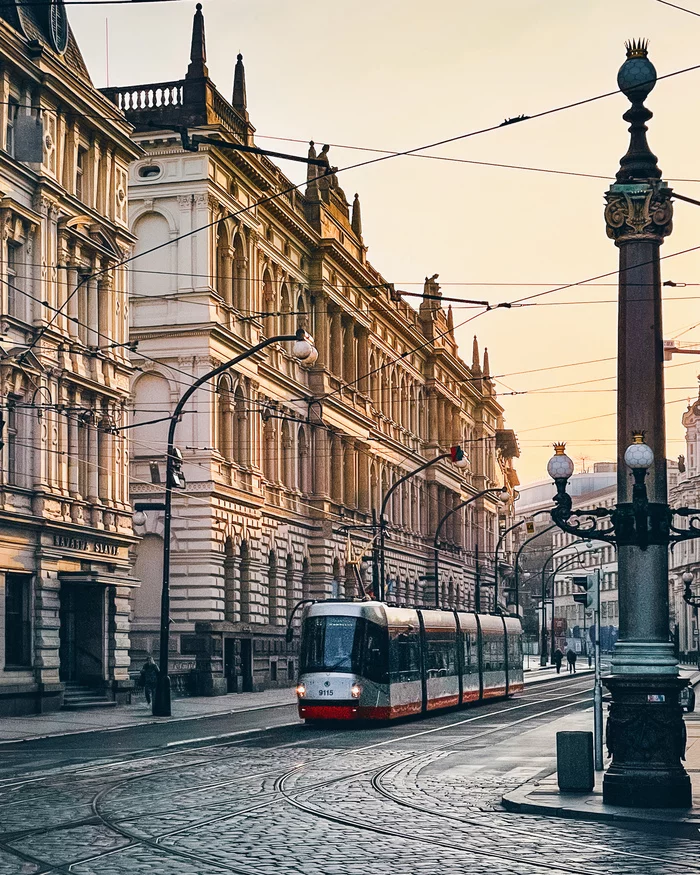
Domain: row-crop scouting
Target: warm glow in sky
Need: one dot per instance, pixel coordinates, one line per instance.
(396, 74)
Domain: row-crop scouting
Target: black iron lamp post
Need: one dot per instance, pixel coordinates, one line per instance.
(543, 636)
(693, 600)
(516, 572)
(645, 732)
(501, 494)
(306, 353)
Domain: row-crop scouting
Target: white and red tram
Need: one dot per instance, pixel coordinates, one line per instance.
(372, 661)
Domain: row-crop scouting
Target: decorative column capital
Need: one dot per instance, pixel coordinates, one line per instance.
(638, 211)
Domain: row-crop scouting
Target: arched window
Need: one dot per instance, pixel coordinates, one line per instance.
(246, 601)
(224, 265)
(290, 586)
(231, 592)
(269, 304)
(304, 461)
(336, 586)
(153, 275)
(305, 579)
(151, 401)
(272, 594)
(148, 569)
(239, 273)
(287, 319)
(224, 418)
(288, 456)
(241, 439)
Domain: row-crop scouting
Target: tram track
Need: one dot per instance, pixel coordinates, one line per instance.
(282, 792)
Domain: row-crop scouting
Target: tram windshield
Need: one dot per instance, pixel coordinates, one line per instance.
(350, 645)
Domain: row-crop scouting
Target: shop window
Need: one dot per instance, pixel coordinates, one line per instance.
(290, 669)
(17, 621)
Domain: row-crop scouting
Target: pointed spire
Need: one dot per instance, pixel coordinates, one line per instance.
(450, 320)
(356, 216)
(240, 100)
(311, 169)
(198, 53)
(475, 355)
(487, 367)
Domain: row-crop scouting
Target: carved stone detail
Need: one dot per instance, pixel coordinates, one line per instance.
(635, 212)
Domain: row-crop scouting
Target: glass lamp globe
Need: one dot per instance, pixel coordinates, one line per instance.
(637, 76)
(560, 466)
(305, 351)
(688, 578)
(638, 454)
(139, 518)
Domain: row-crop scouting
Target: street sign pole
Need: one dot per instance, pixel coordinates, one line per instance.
(598, 686)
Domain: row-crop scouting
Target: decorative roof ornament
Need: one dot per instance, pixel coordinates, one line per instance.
(356, 216)
(240, 99)
(636, 79)
(487, 366)
(476, 366)
(450, 321)
(198, 52)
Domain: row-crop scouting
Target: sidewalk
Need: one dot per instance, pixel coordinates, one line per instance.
(33, 726)
(543, 796)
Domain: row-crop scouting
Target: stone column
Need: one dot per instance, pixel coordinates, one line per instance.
(74, 451)
(337, 468)
(93, 313)
(645, 731)
(349, 486)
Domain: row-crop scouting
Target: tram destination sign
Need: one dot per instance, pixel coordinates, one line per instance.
(68, 542)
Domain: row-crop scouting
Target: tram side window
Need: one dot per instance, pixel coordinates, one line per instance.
(494, 652)
(471, 654)
(374, 652)
(515, 648)
(441, 653)
(404, 656)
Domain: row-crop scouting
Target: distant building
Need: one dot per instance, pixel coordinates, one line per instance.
(685, 556)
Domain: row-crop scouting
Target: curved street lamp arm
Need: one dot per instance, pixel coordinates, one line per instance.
(289, 632)
(436, 539)
(394, 486)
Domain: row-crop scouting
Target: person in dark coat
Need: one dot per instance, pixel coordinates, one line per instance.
(571, 659)
(149, 678)
(558, 657)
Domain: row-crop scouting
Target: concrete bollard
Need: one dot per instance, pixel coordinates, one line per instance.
(575, 762)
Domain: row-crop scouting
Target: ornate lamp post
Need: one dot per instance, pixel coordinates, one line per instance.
(645, 731)
(306, 353)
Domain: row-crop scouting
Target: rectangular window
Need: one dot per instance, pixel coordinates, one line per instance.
(80, 167)
(17, 621)
(11, 444)
(13, 284)
(12, 111)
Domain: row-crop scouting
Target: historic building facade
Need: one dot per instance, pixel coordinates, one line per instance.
(65, 517)
(685, 556)
(284, 467)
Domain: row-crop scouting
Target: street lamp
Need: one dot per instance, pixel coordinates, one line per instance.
(502, 495)
(543, 648)
(693, 600)
(459, 460)
(306, 353)
(645, 732)
(516, 574)
(498, 550)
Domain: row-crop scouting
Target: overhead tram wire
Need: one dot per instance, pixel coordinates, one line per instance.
(370, 161)
(679, 8)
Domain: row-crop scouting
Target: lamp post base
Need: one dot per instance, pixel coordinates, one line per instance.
(646, 736)
(161, 697)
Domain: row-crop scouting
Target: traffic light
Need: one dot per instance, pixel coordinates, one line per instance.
(177, 478)
(590, 596)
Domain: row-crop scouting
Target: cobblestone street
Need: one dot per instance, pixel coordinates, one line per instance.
(422, 796)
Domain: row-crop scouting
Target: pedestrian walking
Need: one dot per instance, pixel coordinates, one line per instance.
(149, 678)
(571, 659)
(558, 657)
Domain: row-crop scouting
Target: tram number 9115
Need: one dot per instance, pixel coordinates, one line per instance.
(325, 692)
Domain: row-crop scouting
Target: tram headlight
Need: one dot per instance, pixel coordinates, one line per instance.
(355, 691)
(301, 691)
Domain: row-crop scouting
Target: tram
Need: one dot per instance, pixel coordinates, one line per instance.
(372, 661)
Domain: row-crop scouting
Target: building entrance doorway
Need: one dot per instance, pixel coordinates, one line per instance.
(238, 665)
(82, 633)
